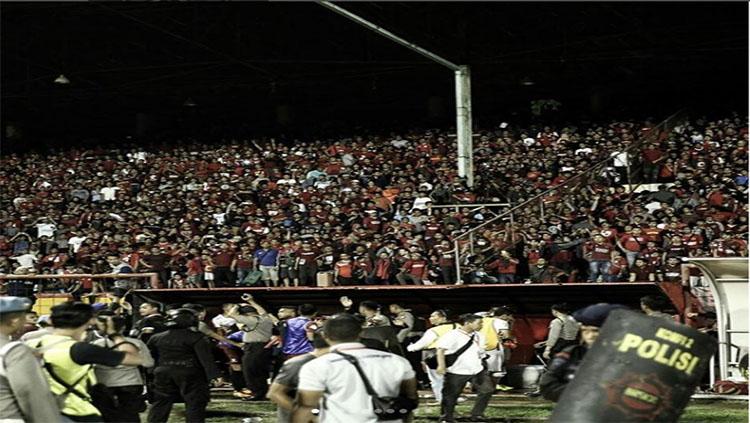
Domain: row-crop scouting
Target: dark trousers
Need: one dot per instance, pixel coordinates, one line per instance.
(449, 274)
(255, 366)
(308, 275)
(415, 359)
(454, 384)
(128, 402)
(173, 383)
(223, 277)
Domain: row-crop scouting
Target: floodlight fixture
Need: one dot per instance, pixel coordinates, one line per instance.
(62, 80)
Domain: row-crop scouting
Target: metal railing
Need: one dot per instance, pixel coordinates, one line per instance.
(664, 126)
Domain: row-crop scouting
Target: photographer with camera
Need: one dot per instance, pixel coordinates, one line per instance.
(124, 383)
(258, 328)
(185, 365)
(68, 361)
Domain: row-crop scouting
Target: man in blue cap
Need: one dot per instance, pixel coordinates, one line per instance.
(25, 395)
(561, 370)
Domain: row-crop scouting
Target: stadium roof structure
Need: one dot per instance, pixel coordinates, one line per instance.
(239, 60)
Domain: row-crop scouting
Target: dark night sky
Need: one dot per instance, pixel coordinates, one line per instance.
(241, 62)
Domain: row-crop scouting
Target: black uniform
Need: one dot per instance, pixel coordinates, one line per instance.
(156, 323)
(184, 367)
(561, 370)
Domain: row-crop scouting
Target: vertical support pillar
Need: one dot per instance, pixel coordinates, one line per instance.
(463, 125)
(457, 253)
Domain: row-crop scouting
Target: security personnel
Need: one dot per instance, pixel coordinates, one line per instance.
(427, 344)
(24, 393)
(184, 368)
(68, 361)
(561, 370)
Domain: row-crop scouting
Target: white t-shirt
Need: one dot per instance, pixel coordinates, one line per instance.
(26, 260)
(399, 143)
(108, 193)
(421, 203)
(468, 363)
(76, 242)
(219, 218)
(222, 321)
(499, 324)
(47, 229)
(621, 158)
(345, 398)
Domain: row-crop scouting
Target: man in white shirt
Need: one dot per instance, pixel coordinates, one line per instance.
(75, 241)
(427, 344)
(331, 387)
(467, 367)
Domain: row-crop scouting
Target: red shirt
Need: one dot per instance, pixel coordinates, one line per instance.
(504, 266)
(416, 268)
(195, 266)
(598, 251)
(345, 268)
(307, 257)
(223, 259)
(633, 243)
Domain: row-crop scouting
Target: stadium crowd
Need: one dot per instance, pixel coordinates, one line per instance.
(357, 209)
(93, 363)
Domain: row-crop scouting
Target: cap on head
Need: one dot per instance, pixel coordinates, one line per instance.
(595, 315)
(14, 304)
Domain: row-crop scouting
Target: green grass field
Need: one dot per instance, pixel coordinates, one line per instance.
(502, 409)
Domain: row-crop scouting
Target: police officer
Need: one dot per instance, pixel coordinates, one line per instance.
(152, 322)
(561, 370)
(68, 361)
(24, 393)
(184, 368)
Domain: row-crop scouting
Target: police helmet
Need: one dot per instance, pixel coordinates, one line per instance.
(181, 318)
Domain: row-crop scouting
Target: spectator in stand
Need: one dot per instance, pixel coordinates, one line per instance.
(382, 272)
(222, 261)
(544, 273)
(631, 244)
(243, 265)
(598, 252)
(343, 271)
(130, 206)
(618, 268)
(306, 265)
(505, 266)
(414, 270)
(267, 261)
(642, 271)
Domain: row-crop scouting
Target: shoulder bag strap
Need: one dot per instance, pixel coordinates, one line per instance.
(68, 388)
(465, 347)
(354, 362)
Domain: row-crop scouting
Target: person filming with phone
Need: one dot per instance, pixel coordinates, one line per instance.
(258, 327)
